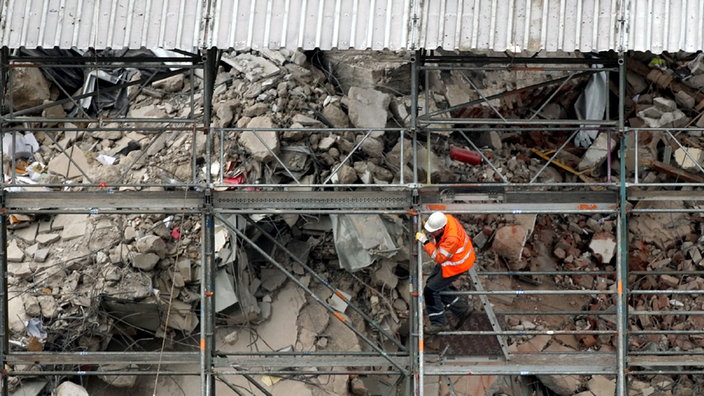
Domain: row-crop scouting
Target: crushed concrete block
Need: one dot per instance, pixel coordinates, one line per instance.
(50, 309)
(170, 84)
(600, 385)
(252, 67)
(44, 239)
(145, 261)
(14, 253)
(68, 388)
(262, 145)
(508, 243)
(151, 244)
(31, 305)
(598, 151)
(272, 279)
(30, 88)
(19, 269)
(27, 234)
(183, 266)
(118, 381)
(62, 220)
(182, 317)
(673, 119)
(603, 245)
(368, 108)
(689, 158)
(336, 116)
(664, 104)
(16, 316)
(384, 276)
(685, 99)
(225, 295)
(69, 168)
(72, 231)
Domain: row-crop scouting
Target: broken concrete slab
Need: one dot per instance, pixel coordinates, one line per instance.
(262, 145)
(689, 158)
(68, 388)
(603, 245)
(597, 152)
(14, 252)
(368, 108)
(73, 231)
(225, 295)
(508, 242)
(69, 168)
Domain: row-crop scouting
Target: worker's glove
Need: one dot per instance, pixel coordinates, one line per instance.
(421, 237)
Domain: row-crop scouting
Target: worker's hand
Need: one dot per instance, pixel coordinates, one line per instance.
(421, 237)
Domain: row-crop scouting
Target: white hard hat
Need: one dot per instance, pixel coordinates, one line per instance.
(436, 221)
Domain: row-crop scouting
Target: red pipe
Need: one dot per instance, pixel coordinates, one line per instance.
(462, 155)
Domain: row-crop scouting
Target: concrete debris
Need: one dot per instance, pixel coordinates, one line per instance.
(127, 275)
(603, 245)
(69, 388)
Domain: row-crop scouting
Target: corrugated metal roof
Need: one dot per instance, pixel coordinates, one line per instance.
(518, 25)
(310, 24)
(471, 25)
(101, 24)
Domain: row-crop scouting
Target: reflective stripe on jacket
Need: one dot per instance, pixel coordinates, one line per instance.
(454, 251)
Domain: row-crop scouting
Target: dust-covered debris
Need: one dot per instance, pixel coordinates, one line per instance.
(95, 281)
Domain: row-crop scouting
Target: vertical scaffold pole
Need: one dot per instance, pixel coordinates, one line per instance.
(208, 255)
(622, 240)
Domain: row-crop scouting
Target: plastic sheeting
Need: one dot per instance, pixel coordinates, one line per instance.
(360, 240)
(591, 105)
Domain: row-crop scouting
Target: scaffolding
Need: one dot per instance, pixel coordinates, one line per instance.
(412, 196)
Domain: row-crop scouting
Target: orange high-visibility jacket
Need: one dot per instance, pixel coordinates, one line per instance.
(454, 251)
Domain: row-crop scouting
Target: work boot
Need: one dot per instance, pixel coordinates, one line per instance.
(436, 328)
(463, 316)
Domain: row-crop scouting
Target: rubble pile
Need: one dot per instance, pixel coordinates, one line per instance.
(93, 282)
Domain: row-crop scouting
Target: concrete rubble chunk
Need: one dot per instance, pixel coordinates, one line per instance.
(27, 235)
(225, 291)
(145, 261)
(689, 159)
(31, 305)
(73, 231)
(601, 385)
(68, 388)
(272, 279)
(509, 242)
(170, 84)
(47, 238)
(252, 67)
(182, 317)
(597, 153)
(368, 107)
(50, 309)
(262, 145)
(151, 244)
(30, 88)
(603, 245)
(118, 381)
(384, 276)
(14, 252)
(69, 168)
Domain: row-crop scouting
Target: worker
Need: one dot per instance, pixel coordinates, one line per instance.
(447, 243)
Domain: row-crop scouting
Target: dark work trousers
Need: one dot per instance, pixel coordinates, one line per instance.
(436, 304)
